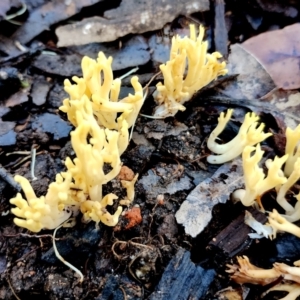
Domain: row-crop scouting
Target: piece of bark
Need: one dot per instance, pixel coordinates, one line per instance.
(40, 90)
(220, 31)
(196, 211)
(49, 13)
(132, 16)
(62, 65)
(10, 49)
(182, 279)
(5, 176)
(234, 238)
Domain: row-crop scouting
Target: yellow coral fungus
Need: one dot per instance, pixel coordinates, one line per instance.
(292, 148)
(256, 183)
(249, 273)
(245, 272)
(292, 179)
(98, 85)
(249, 134)
(99, 139)
(179, 86)
(280, 223)
(45, 212)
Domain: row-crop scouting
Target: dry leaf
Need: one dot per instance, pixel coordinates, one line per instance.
(287, 103)
(48, 14)
(252, 81)
(279, 53)
(285, 7)
(196, 211)
(132, 16)
(18, 98)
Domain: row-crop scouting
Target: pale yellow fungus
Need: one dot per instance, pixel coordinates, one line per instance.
(249, 135)
(292, 289)
(129, 186)
(98, 85)
(256, 183)
(245, 272)
(280, 223)
(295, 214)
(96, 211)
(189, 69)
(100, 137)
(289, 273)
(292, 179)
(292, 148)
(45, 212)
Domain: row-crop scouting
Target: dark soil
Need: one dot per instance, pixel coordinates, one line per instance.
(169, 155)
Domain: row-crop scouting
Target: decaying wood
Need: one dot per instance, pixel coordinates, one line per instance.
(182, 279)
(48, 14)
(234, 238)
(220, 31)
(132, 16)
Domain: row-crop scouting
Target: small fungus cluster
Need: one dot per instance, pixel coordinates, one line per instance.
(280, 178)
(284, 278)
(249, 134)
(101, 123)
(257, 183)
(189, 69)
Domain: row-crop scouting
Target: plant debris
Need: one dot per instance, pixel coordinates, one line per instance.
(146, 16)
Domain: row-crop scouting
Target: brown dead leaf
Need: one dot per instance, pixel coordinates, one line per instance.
(287, 103)
(18, 98)
(279, 53)
(286, 7)
(252, 81)
(48, 14)
(132, 16)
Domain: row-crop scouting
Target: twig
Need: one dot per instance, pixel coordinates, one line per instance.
(123, 291)
(8, 178)
(22, 257)
(18, 153)
(151, 79)
(11, 287)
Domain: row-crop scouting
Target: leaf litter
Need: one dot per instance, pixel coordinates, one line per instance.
(196, 211)
(118, 22)
(278, 52)
(169, 155)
